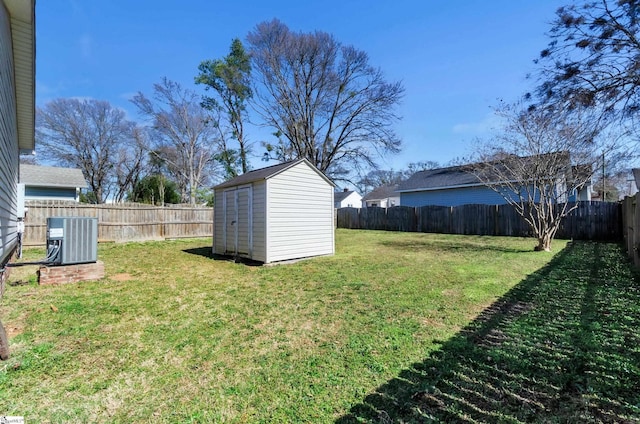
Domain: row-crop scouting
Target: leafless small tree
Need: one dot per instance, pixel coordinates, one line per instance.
(129, 164)
(85, 134)
(540, 161)
(183, 134)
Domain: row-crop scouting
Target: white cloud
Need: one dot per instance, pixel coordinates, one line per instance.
(86, 45)
(490, 123)
(82, 98)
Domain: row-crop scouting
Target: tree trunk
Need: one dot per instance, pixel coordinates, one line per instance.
(4, 344)
(544, 244)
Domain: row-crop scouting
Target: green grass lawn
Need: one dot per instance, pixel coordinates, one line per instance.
(396, 327)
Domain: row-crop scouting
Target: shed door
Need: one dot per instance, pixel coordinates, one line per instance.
(237, 209)
(243, 229)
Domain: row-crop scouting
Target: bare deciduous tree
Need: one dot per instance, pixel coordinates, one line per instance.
(324, 99)
(541, 161)
(85, 134)
(130, 163)
(183, 134)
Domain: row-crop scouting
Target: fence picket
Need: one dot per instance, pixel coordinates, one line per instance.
(588, 221)
(122, 222)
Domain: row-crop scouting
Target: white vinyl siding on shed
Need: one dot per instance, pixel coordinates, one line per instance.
(218, 223)
(299, 214)
(290, 213)
(8, 141)
(259, 221)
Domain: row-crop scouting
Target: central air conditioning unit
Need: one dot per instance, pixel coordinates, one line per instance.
(72, 240)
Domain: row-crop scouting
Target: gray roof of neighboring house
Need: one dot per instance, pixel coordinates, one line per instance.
(382, 192)
(339, 196)
(465, 175)
(51, 176)
(268, 172)
(439, 178)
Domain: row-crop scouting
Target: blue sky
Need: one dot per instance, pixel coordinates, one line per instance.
(455, 58)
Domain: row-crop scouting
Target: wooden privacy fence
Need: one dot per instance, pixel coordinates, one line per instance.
(589, 221)
(631, 227)
(122, 222)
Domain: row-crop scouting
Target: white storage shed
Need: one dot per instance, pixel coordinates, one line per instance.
(276, 213)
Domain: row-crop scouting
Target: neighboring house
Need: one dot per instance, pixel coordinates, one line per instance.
(385, 196)
(346, 199)
(276, 213)
(634, 182)
(456, 185)
(583, 192)
(51, 183)
(17, 111)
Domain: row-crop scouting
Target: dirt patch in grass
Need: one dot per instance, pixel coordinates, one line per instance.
(121, 277)
(16, 328)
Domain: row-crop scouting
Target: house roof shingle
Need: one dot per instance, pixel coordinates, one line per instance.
(382, 192)
(341, 195)
(466, 175)
(267, 172)
(439, 178)
(51, 176)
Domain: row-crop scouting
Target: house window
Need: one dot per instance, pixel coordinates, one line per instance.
(374, 205)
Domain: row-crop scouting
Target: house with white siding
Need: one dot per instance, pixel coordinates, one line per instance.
(347, 199)
(385, 196)
(17, 110)
(51, 182)
(277, 213)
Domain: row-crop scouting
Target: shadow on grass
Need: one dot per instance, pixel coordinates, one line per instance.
(205, 251)
(562, 346)
(462, 245)
(208, 253)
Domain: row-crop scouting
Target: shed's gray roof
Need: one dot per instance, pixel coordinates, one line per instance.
(439, 178)
(51, 176)
(266, 173)
(382, 192)
(341, 195)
